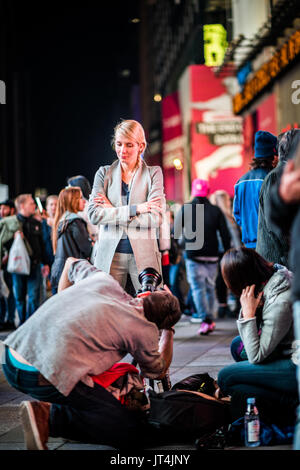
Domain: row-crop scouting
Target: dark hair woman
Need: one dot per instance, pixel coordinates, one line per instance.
(265, 326)
(70, 236)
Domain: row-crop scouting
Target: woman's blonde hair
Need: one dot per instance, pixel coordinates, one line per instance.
(132, 130)
(68, 200)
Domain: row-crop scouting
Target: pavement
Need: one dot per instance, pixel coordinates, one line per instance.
(192, 354)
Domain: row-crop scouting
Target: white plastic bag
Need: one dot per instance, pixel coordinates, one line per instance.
(4, 290)
(18, 258)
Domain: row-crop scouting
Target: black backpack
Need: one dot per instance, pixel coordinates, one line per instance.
(187, 414)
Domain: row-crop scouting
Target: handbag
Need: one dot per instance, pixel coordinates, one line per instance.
(18, 258)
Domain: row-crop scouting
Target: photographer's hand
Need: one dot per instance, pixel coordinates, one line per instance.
(249, 302)
(64, 278)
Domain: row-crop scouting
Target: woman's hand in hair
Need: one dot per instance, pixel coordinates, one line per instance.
(249, 302)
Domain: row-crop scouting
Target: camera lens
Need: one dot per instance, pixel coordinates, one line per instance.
(149, 280)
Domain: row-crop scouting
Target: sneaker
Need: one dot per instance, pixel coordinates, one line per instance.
(195, 318)
(35, 420)
(206, 328)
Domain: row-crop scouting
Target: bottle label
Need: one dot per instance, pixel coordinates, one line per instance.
(253, 431)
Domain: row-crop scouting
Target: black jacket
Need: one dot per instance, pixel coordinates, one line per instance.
(73, 240)
(201, 221)
(285, 220)
(32, 230)
(270, 245)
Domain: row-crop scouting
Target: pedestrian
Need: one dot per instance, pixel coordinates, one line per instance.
(26, 288)
(222, 199)
(83, 183)
(247, 188)
(7, 208)
(127, 203)
(86, 328)
(283, 210)
(70, 236)
(269, 245)
(7, 304)
(200, 222)
(265, 326)
(47, 224)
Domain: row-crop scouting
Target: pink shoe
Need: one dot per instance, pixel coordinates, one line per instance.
(206, 328)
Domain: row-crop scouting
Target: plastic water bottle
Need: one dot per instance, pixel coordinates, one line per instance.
(252, 424)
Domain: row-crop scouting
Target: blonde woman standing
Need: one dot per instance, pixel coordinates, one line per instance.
(127, 203)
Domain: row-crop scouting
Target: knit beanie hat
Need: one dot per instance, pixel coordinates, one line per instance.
(265, 145)
(200, 188)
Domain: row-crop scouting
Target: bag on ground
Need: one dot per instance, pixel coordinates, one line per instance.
(18, 259)
(187, 414)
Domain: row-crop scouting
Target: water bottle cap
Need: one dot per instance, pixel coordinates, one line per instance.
(251, 401)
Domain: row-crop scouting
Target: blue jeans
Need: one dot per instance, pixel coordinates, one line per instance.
(272, 383)
(296, 358)
(202, 278)
(91, 415)
(27, 285)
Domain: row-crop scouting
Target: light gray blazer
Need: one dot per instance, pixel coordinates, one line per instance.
(141, 230)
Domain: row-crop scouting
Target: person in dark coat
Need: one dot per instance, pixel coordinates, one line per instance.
(283, 209)
(200, 221)
(70, 234)
(270, 246)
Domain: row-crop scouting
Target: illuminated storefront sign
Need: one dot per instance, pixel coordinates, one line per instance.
(215, 44)
(222, 132)
(268, 72)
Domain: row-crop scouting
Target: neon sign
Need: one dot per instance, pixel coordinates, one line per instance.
(215, 44)
(267, 73)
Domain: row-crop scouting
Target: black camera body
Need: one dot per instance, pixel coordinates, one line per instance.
(149, 279)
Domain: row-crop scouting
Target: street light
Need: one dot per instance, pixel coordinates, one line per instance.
(178, 164)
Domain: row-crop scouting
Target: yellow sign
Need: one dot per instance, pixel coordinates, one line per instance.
(267, 72)
(215, 44)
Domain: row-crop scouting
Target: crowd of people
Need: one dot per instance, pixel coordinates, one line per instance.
(101, 238)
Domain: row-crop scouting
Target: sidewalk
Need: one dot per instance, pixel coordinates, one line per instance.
(192, 354)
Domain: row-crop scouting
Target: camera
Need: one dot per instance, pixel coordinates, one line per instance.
(149, 279)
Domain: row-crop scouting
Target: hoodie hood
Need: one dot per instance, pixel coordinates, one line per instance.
(66, 220)
(279, 282)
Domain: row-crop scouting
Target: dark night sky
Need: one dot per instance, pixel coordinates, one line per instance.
(74, 57)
